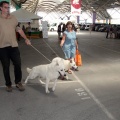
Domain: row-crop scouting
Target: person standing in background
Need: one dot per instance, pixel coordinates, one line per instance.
(111, 31)
(23, 28)
(18, 35)
(90, 28)
(74, 28)
(107, 30)
(29, 30)
(115, 31)
(63, 28)
(59, 31)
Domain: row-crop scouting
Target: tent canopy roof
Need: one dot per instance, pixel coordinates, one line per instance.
(24, 15)
(62, 6)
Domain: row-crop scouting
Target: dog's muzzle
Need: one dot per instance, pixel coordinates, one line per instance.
(61, 74)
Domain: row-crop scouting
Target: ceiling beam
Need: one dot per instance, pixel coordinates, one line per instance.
(16, 2)
(31, 3)
(104, 4)
(19, 3)
(22, 1)
(35, 6)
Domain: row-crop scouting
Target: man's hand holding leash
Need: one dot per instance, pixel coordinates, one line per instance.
(27, 41)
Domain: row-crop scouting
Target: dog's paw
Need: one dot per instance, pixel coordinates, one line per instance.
(25, 82)
(53, 89)
(47, 91)
(66, 77)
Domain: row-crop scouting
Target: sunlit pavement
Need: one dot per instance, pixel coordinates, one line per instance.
(92, 93)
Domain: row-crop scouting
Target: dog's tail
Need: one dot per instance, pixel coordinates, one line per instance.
(29, 70)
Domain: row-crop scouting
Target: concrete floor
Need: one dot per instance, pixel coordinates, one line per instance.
(92, 93)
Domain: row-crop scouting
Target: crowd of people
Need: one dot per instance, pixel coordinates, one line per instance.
(27, 30)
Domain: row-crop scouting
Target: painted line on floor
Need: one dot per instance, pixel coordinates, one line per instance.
(3, 86)
(104, 109)
(86, 98)
(62, 82)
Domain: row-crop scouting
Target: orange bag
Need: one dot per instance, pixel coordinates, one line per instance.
(78, 58)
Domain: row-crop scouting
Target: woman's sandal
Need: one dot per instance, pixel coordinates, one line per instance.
(76, 69)
(72, 68)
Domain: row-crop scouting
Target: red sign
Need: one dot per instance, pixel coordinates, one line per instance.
(76, 4)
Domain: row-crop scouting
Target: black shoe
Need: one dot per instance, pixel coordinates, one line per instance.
(72, 68)
(9, 88)
(20, 86)
(76, 69)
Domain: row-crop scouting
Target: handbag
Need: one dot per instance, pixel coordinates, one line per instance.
(78, 58)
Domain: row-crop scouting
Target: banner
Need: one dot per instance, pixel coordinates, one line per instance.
(44, 29)
(76, 7)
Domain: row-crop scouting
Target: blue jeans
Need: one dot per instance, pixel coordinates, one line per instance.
(13, 54)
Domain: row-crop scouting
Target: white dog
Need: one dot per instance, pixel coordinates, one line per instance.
(67, 64)
(48, 72)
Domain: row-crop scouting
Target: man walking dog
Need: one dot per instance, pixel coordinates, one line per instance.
(9, 46)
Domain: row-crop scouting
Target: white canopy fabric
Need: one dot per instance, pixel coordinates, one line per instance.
(64, 6)
(25, 16)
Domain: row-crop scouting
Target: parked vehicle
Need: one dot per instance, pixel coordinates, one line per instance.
(76, 25)
(82, 27)
(97, 27)
(102, 29)
(53, 27)
(118, 27)
(87, 27)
